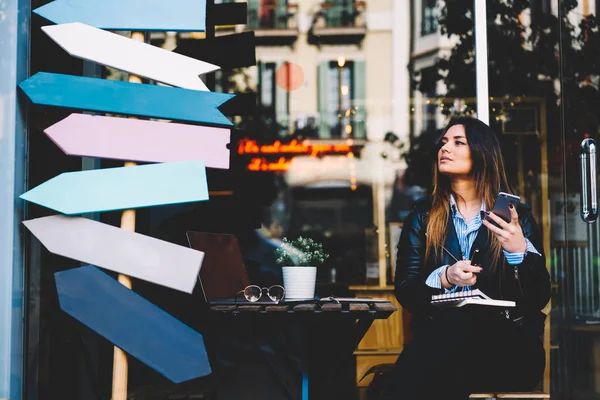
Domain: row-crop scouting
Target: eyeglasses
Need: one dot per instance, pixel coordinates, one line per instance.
(253, 293)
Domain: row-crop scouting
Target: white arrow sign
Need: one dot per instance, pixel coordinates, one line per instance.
(118, 250)
(116, 51)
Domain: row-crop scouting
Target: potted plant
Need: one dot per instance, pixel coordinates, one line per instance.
(299, 259)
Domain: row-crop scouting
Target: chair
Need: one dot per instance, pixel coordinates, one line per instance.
(511, 395)
(546, 384)
(545, 394)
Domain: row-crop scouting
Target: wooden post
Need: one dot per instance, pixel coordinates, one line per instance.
(120, 364)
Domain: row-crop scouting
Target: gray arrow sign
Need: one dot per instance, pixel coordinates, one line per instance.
(118, 250)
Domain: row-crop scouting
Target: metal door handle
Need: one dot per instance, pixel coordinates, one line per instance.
(589, 195)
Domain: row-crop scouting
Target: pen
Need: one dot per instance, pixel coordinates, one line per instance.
(447, 251)
(450, 254)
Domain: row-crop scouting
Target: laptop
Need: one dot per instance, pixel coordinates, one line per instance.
(223, 274)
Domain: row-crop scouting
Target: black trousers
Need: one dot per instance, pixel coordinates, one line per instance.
(467, 351)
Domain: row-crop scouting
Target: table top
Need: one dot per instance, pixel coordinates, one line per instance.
(379, 310)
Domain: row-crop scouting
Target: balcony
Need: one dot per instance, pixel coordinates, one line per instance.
(339, 22)
(273, 21)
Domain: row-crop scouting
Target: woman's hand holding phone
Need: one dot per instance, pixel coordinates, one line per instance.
(462, 273)
(509, 234)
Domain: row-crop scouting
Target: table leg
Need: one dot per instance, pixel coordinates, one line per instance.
(278, 368)
(305, 385)
(340, 344)
(360, 330)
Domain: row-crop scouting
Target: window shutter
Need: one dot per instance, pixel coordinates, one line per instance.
(260, 68)
(323, 101)
(359, 94)
(281, 105)
(253, 16)
(281, 18)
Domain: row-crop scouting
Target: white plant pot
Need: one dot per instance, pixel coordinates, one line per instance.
(299, 282)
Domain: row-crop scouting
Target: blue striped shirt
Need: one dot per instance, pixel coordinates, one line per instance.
(466, 233)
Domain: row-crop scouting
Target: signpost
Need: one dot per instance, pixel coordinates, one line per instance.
(122, 188)
(117, 51)
(102, 95)
(120, 363)
(147, 141)
(130, 322)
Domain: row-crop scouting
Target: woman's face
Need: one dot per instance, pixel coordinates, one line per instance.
(454, 157)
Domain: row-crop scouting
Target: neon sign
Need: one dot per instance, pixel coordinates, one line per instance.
(261, 164)
(286, 151)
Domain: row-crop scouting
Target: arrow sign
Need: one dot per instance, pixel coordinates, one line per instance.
(122, 188)
(106, 48)
(228, 13)
(227, 51)
(118, 250)
(132, 15)
(241, 104)
(103, 95)
(138, 140)
(132, 323)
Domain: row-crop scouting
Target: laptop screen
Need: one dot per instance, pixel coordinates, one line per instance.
(223, 273)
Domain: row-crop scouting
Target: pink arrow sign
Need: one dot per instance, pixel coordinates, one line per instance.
(140, 140)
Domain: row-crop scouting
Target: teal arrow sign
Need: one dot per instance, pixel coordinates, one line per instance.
(103, 95)
(122, 188)
(129, 15)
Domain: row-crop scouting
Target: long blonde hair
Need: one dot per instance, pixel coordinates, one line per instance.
(489, 176)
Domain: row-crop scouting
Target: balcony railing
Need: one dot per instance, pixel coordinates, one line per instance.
(270, 15)
(338, 14)
(272, 21)
(340, 21)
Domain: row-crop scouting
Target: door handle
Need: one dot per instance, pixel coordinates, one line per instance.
(589, 194)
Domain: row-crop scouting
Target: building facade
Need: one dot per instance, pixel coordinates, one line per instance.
(349, 97)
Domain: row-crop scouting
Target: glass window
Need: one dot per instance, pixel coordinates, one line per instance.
(273, 97)
(341, 99)
(339, 13)
(338, 150)
(267, 84)
(429, 17)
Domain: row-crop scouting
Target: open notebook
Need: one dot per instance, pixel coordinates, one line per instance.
(460, 299)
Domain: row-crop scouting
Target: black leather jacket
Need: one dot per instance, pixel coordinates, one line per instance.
(530, 291)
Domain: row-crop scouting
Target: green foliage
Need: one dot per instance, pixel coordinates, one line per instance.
(300, 252)
(552, 58)
(521, 61)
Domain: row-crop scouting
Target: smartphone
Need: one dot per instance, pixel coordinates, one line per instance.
(501, 208)
(477, 257)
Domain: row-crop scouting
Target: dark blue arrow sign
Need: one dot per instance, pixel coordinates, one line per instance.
(129, 15)
(103, 95)
(132, 323)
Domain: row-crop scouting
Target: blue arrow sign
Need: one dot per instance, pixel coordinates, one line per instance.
(132, 323)
(129, 15)
(122, 188)
(103, 95)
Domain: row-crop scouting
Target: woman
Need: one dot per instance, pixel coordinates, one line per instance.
(458, 351)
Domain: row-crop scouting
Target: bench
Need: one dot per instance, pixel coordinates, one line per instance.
(510, 395)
